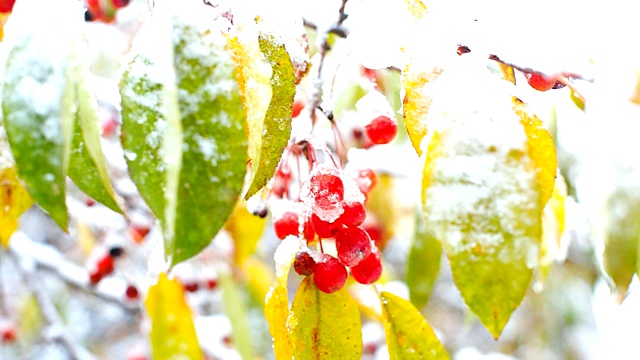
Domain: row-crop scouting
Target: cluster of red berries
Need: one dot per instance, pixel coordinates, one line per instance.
(105, 265)
(103, 10)
(194, 286)
(332, 207)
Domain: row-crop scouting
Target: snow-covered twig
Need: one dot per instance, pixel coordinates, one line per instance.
(55, 330)
(47, 258)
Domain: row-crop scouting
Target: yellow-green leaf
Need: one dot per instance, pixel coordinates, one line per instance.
(540, 149)
(245, 230)
(482, 199)
(14, 200)
(507, 72)
(417, 99)
(423, 263)
(236, 309)
(276, 308)
(409, 335)
(37, 103)
(324, 326)
(173, 334)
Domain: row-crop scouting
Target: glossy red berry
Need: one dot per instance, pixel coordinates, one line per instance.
(325, 229)
(297, 107)
(354, 214)
(6, 5)
(369, 269)
(286, 225)
(353, 245)
(381, 130)
(105, 265)
(540, 82)
(131, 292)
(304, 263)
(329, 275)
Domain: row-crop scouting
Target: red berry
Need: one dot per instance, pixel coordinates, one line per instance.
(323, 228)
(329, 275)
(304, 263)
(94, 278)
(191, 286)
(132, 292)
(366, 180)
(327, 190)
(369, 269)
(381, 130)
(105, 266)
(354, 214)
(540, 82)
(212, 284)
(139, 232)
(120, 3)
(375, 232)
(353, 245)
(297, 107)
(286, 225)
(8, 334)
(6, 5)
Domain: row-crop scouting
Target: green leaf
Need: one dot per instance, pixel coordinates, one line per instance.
(87, 165)
(36, 105)
(324, 326)
(173, 334)
(183, 135)
(276, 308)
(481, 199)
(276, 129)
(236, 309)
(408, 334)
(143, 127)
(214, 143)
(423, 264)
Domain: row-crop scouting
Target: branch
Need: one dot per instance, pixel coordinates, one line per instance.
(48, 258)
(55, 330)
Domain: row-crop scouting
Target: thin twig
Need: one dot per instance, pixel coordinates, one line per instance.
(55, 330)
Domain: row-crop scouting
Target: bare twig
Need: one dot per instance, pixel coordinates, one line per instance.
(55, 330)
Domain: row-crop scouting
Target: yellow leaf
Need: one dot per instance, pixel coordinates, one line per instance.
(416, 102)
(409, 335)
(540, 149)
(276, 308)
(507, 72)
(173, 334)
(245, 230)
(324, 325)
(14, 200)
(259, 277)
(416, 8)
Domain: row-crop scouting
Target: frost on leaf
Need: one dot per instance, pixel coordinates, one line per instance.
(482, 201)
(35, 105)
(408, 334)
(214, 144)
(276, 308)
(416, 102)
(324, 325)
(143, 127)
(173, 334)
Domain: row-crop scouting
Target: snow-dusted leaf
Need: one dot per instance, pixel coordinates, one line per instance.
(236, 310)
(14, 200)
(173, 334)
(415, 84)
(214, 143)
(37, 100)
(143, 127)
(324, 325)
(416, 8)
(481, 196)
(408, 334)
(87, 165)
(276, 308)
(540, 149)
(507, 72)
(423, 264)
(184, 135)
